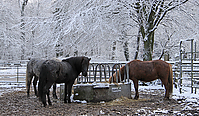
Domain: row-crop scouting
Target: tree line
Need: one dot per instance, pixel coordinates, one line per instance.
(108, 29)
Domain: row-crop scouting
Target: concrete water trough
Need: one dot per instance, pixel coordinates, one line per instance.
(95, 87)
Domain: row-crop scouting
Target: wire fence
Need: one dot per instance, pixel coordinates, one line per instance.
(12, 73)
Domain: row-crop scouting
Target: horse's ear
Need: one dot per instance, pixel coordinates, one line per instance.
(65, 60)
(81, 59)
(85, 59)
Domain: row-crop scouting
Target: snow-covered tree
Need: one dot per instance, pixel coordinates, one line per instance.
(87, 28)
(9, 33)
(150, 14)
(90, 20)
(180, 24)
(37, 29)
(102, 29)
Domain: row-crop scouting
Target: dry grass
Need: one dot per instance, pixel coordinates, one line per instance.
(124, 100)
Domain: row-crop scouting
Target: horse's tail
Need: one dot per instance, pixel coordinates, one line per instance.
(28, 76)
(170, 79)
(42, 78)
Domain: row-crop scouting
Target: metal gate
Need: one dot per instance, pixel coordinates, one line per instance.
(188, 66)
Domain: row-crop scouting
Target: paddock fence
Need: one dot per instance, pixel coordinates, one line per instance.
(184, 75)
(12, 72)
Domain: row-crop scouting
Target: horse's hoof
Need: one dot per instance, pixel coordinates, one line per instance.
(28, 95)
(136, 98)
(54, 96)
(44, 105)
(166, 98)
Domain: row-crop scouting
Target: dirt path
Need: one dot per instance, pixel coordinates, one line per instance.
(152, 103)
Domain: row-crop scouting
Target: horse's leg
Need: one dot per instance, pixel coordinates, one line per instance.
(54, 91)
(135, 81)
(28, 82)
(165, 83)
(46, 92)
(49, 102)
(43, 96)
(66, 90)
(69, 91)
(35, 84)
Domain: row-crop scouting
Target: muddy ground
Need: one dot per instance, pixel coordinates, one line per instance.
(150, 103)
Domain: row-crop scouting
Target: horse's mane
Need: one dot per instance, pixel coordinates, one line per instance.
(134, 61)
(122, 70)
(56, 59)
(75, 62)
(35, 58)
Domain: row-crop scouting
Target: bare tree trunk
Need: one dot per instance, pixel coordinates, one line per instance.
(138, 44)
(149, 17)
(113, 50)
(148, 47)
(22, 29)
(126, 50)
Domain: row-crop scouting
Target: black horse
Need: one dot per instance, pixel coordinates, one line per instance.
(61, 72)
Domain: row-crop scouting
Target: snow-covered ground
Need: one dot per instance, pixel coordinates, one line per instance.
(7, 87)
(8, 78)
(176, 94)
(189, 101)
(12, 71)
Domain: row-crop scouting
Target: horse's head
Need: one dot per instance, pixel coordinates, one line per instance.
(114, 78)
(117, 78)
(85, 64)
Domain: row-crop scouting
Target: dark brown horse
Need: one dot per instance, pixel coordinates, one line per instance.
(148, 71)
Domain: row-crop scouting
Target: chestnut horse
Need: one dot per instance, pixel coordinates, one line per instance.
(148, 71)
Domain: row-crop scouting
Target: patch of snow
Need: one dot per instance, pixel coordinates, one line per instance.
(101, 112)
(187, 108)
(190, 97)
(161, 111)
(195, 105)
(191, 100)
(83, 101)
(142, 111)
(101, 85)
(102, 102)
(83, 84)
